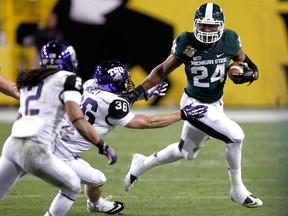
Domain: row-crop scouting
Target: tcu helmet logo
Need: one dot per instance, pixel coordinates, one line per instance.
(116, 73)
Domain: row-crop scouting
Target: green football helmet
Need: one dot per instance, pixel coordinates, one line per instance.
(208, 23)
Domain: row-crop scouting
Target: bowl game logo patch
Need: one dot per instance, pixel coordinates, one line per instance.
(189, 51)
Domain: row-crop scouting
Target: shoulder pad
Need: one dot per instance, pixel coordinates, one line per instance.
(73, 83)
(182, 42)
(118, 109)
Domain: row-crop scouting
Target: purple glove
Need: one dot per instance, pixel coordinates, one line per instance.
(190, 111)
(109, 152)
(158, 90)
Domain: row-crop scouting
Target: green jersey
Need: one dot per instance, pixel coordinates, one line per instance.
(206, 71)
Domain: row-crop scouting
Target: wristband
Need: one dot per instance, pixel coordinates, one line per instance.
(183, 116)
(139, 89)
(250, 63)
(101, 143)
(77, 119)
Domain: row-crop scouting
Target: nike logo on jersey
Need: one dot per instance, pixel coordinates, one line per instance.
(219, 55)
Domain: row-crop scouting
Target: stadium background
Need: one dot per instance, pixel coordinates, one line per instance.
(260, 23)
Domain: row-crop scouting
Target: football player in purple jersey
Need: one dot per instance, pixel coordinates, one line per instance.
(104, 106)
(46, 94)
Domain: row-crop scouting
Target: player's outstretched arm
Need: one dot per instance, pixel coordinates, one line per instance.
(162, 120)
(141, 121)
(8, 87)
(157, 75)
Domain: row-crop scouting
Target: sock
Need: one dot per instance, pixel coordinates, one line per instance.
(99, 201)
(168, 155)
(233, 155)
(60, 205)
(238, 190)
(236, 179)
(47, 214)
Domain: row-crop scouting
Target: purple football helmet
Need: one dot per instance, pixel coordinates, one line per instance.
(60, 55)
(111, 76)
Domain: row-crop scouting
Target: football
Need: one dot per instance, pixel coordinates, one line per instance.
(235, 69)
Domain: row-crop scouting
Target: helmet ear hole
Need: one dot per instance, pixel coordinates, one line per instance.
(208, 23)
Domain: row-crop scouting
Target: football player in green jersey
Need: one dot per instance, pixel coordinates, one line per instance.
(206, 54)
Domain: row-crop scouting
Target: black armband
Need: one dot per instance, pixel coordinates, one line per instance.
(139, 89)
(101, 143)
(133, 95)
(102, 146)
(75, 120)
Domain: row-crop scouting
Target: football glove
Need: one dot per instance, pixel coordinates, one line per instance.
(133, 95)
(190, 111)
(158, 90)
(248, 75)
(109, 152)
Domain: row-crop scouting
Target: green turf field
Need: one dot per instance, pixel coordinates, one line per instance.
(199, 187)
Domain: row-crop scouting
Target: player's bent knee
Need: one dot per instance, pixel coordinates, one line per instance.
(102, 178)
(98, 178)
(191, 153)
(236, 133)
(192, 156)
(238, 138)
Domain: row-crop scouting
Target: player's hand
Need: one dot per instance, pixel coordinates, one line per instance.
(158, 90)
(190, 111)
(249, 74)
(111, 155)
(133, 95)
(109, 152)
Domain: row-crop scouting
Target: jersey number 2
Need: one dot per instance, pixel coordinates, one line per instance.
(30, 98)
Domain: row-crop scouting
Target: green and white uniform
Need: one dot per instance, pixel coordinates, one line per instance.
(206, 72)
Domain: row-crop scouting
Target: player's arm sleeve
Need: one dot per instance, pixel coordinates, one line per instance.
(237, 46)
(119, 112)
(233, 42)
(72, 89)
(250, 63)
(181, 41)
